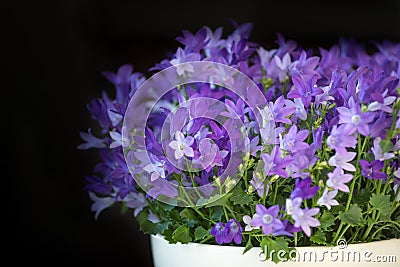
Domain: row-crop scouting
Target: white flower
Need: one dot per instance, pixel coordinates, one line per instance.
(377, 150)
(182, 145)
(327, 199)
(247, 220)
(342, 161)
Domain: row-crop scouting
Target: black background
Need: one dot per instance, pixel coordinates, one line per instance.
(56, 51)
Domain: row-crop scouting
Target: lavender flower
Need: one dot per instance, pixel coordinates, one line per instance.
(274, 164)
(91, 141)
(266, 219)
(339, 140)
(100, 203)
(354, 119)
(293, 140)
(303, 218)
(337, 180)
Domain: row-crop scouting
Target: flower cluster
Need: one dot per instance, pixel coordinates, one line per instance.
(319, 153)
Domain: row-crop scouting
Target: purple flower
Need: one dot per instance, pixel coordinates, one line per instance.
(194, 42)
(304, 65)
(91, 141)
(373, 170)
(121, 80)
(182, 145)
(354, 119)
(339, 140)
(385, 106)
(274, 164)
(303, 218)
(328, 198)
(342, 161)
(305, 87)
(303, 189)
(293, 140)
(100, 203)
(276, 112)
(208, 152)
(266, 219)
(337, 180)
(136, 201)
(300, 112)
(218, 231)
(182, 57)
(288, 229)
(233, 230)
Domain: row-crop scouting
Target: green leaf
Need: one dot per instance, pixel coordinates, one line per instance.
(248, 246)
(326, 219)
(272, 248)
(217, 213)
(154, 228)
(382, 204)
(362, 197)
(239, 196)
(319, 238)
(189, 217)
(353, 216)
(218, 200)
(386, 146)
(200, 233)
(181, 234)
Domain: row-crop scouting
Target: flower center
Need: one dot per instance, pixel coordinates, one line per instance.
(356, 119)
(333, 140)
(267, 219)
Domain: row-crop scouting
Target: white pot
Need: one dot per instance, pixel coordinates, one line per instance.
(379, 253)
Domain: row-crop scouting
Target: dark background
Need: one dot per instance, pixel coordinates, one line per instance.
(56, 51)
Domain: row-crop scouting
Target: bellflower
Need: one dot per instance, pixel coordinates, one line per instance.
(293, 140)
(377, 151)
(266, 219)
(354, 119)
(304, 218)
(342, 161)
(373, 170)
(182, 145)
(339, 140)
(274, 164)
(233, 231)
(218, 231)
(229, 128)
(328, 198)
(248, 221)
(303, 189)
(338, 179)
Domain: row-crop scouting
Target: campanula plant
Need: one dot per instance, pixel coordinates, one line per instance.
(247, 146)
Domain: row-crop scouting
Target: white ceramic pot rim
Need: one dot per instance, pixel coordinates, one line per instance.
(205, 255)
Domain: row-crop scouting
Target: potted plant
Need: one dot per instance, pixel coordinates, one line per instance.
(240, 155)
